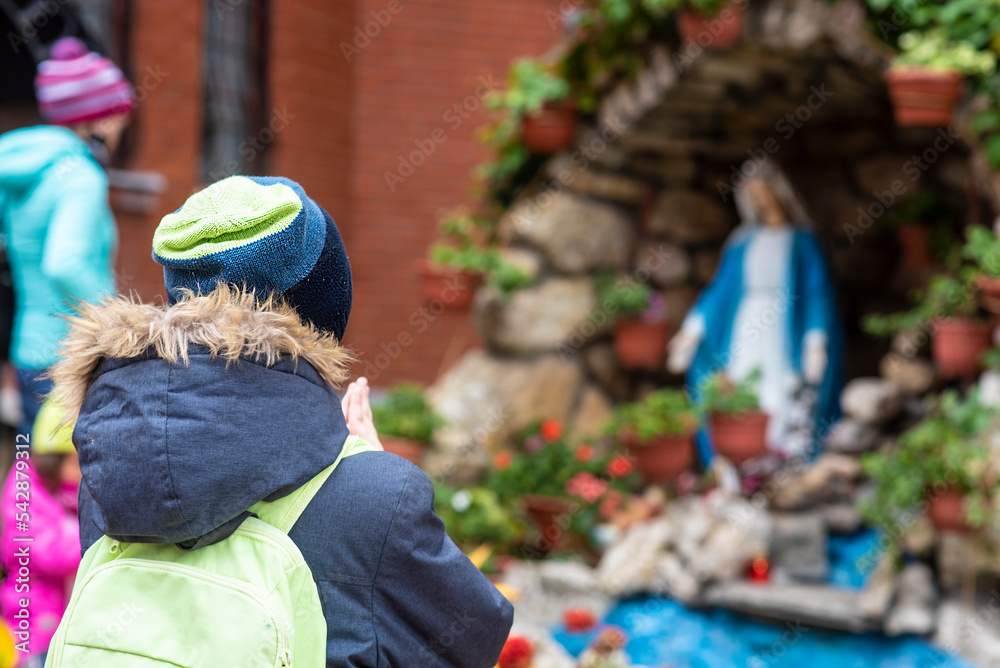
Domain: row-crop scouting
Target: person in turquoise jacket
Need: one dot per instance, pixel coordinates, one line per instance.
(54, 209)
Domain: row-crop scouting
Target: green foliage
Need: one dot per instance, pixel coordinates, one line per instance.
(622, 297)
(924, 207)
(933, 49)
(948, 448)
(462, 246)
(945, 297)
(475, 515)
(983, 248)
(708, 7)
(721, 395)
(405, 413)
(507, 277)
(531, 84)
(665, 412)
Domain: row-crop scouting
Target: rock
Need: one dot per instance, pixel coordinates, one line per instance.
(960, 556)
(485, 399)
(813, 605)
(688, 216)
(594, 182)
(679, 301)
(832, 478)
(548, 651)
(910, 343)
(592, 415)
(630, 566)
(851, 436)
(879, 591)
(910, 375)
(989, 389)
(842, 518)
(914, 610)
(970, 632)
(665, 168)
(672, 266)
(545, 593)
(859, 266)
(567, 577)
(871, 400)
(798, 547)
(705, 264)
(602, 363)
(674, 580)
(576, 234)
(560, 313)
(919, 537)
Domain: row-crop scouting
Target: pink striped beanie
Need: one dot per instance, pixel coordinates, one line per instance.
(76, 85)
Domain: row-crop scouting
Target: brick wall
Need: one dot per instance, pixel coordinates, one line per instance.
(430, 55)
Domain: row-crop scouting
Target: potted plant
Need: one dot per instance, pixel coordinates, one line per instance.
(922, 225)
(560, 486)
(948, 306)
(641, 334)
(405, 422)
(926, 79)
(942, 464)
(539, 97)
(714, 24)
(474, 516)
(454, 267)
(983, 248)
(737, 425)
(659, 432)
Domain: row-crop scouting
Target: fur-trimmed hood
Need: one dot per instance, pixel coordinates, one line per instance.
(191, 413)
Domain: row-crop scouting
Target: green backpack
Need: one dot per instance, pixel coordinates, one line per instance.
(247, 601)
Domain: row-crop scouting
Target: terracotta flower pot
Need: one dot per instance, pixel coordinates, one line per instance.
(662, 458)
(914, 238)
(452, 288)
(550, 129)
(640, 344)
(405, 448)
(924, 97)
(550, 515)
(720, 31)
(741, 437)
(959, 345)
(946, 511)
(989, 293)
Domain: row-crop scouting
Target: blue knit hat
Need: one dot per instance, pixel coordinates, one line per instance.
(264, 233)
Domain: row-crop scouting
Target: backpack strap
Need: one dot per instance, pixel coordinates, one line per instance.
(285, 512)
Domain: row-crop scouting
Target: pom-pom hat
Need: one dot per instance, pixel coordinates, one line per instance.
(76, 85)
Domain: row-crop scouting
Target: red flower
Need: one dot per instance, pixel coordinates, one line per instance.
(586, 486)
(517, 653)
(502, 460)
(619, 466)
(578, 620)
(584, 452)
(551, 430)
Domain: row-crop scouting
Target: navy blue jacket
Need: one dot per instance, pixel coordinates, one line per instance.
(170, 452)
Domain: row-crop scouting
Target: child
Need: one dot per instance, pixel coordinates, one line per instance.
(191, 413)
(39, 501)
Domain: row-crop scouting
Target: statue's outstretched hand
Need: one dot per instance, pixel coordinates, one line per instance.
(358, 412)
(681, 351)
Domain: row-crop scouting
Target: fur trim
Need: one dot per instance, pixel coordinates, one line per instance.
(229, 321)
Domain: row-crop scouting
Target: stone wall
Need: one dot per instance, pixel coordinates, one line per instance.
(647, 193)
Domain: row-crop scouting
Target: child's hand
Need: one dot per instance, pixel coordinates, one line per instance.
(358, 412)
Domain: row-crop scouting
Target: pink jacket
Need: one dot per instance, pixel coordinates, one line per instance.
(54, 554)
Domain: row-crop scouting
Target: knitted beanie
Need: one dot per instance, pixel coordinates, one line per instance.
(76, 85)
(263, 233)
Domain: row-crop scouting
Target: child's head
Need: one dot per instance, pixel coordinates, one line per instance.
(52, 453)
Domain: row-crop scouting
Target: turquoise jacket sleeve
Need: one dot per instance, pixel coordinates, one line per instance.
(78, 244)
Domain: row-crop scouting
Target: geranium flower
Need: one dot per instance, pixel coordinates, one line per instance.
(578, 620)
(584, 452)
(586, 486)
(502, 460)
(619, 466)
(517, 652)
(551, 430)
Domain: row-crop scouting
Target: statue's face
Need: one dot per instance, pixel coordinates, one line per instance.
(766, 202)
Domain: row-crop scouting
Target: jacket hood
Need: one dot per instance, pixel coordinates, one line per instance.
(189, 414)
(25, 154)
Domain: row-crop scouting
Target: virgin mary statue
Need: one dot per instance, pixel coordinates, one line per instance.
(770, 307)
